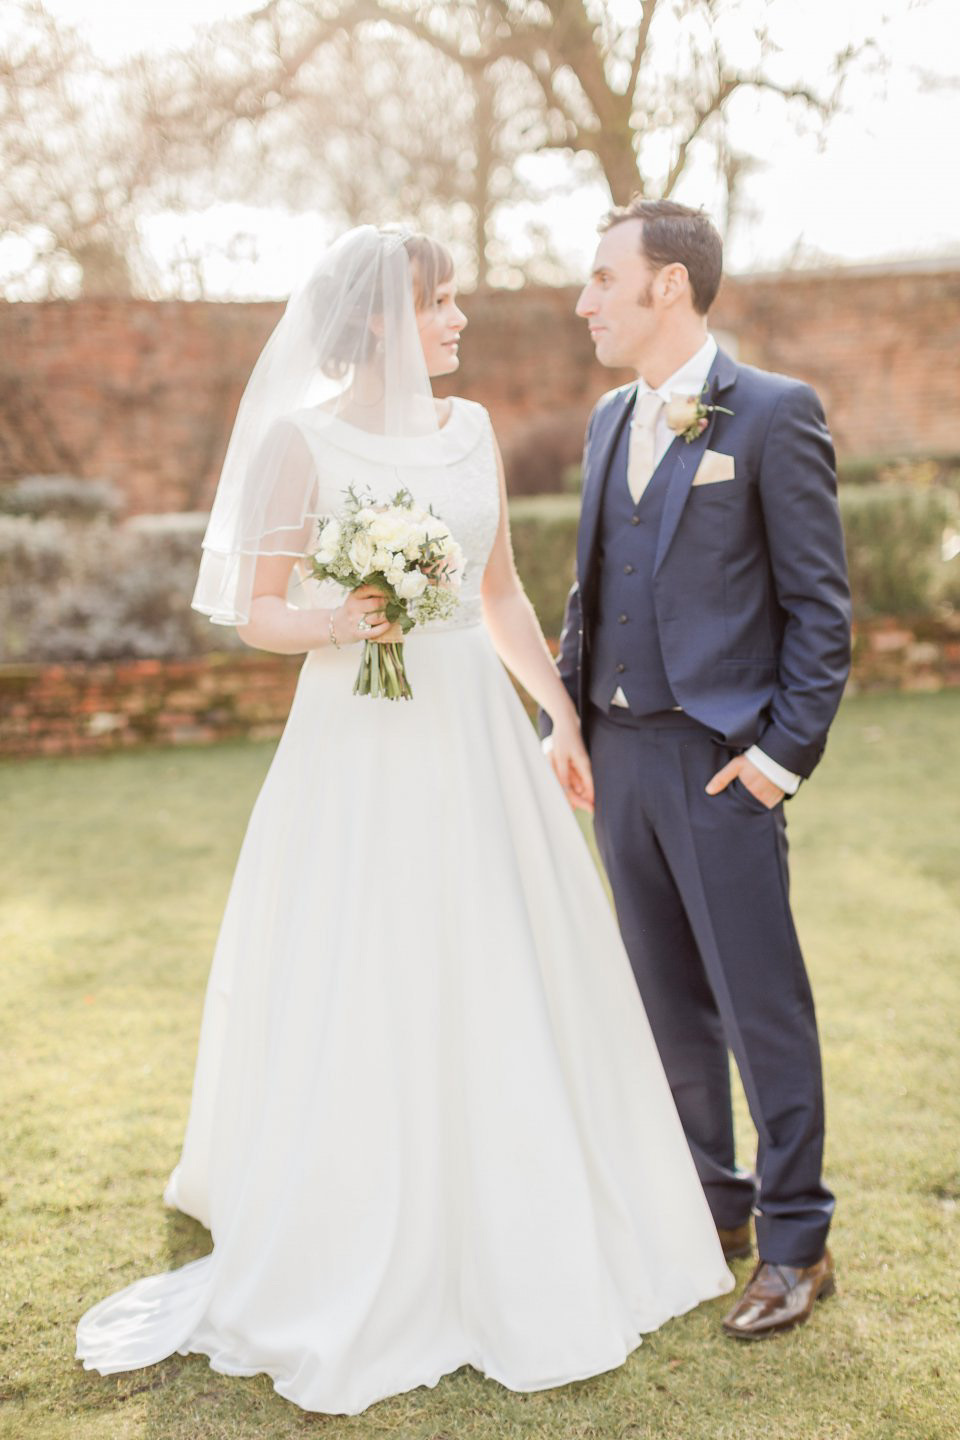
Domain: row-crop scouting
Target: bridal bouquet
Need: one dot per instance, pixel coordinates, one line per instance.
(410, 556)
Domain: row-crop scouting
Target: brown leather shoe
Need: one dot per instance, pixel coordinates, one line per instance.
(736, 1243)
(777, 1297)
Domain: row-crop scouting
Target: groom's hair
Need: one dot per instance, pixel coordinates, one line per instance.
(675, 234)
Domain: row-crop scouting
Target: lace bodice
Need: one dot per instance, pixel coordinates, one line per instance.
(465, 495)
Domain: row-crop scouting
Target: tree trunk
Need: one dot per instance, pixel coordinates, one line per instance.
(106, 270)
(483, 125)
(614, 150)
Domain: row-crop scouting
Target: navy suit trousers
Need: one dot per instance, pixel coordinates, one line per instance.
(700, 884)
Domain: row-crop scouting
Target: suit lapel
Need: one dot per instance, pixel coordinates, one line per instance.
(684, 458)
(595, 479)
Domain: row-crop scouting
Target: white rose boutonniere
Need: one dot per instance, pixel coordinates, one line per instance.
(689, 416)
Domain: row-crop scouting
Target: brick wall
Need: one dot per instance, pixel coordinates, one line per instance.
(76, 709)
(141, 393)
(144, 393)
(882, 348)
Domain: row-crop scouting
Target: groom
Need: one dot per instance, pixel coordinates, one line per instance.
(706, 643)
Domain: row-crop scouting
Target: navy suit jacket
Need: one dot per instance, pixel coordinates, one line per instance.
(750, 579)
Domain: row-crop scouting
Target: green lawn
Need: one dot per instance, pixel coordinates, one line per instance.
(115, 870)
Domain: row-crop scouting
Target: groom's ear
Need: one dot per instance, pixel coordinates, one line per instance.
(673, 283)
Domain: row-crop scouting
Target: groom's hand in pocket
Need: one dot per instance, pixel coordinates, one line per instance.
(571, 765)
(744, 770)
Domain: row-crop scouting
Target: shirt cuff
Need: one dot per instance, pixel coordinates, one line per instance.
(785, 780)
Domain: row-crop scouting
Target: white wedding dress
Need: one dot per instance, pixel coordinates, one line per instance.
(429, 1124)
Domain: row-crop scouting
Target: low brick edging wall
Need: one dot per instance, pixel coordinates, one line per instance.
(112, 705)
(116, 705)
(900, 655)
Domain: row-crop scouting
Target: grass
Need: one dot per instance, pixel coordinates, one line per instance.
(115, 873)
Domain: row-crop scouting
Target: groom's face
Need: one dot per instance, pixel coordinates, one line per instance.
(618, 301)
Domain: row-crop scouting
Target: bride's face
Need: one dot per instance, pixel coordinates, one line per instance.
(440, 322)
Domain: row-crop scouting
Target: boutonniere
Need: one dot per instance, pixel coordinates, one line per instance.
(688, 416)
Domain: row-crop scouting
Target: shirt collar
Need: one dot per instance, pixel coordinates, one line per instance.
(690, 378)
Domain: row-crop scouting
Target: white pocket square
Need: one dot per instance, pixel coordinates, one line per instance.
(713, 468)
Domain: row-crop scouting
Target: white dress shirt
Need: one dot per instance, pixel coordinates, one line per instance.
(690, 379)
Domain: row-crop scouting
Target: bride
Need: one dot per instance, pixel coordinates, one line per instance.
(429, 1124)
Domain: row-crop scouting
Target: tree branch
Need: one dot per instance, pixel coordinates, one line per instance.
(702, 115)
(789, 92)
(643, 36)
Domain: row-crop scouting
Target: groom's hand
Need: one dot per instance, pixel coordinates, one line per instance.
(756, 782)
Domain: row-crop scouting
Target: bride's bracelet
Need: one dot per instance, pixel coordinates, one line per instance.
(333, 634)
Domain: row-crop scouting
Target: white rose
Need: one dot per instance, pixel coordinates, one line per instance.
(361, 554)
(682, 411)
(382, 559)
(416, 539)
(329, 541)
(389, 529)
(394, 570)
(412, 585)
(435, 529)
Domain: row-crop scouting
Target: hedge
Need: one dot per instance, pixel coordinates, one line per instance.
(87, 588)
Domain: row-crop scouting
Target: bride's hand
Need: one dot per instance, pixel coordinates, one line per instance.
(571, 764)
(393, 635)
(361, 617)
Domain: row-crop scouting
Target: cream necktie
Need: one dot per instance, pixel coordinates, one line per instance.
(643, 428)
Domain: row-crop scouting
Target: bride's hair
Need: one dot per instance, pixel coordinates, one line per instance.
(431, 265)
(355, 340)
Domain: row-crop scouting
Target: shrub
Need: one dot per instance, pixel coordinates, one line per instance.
(894, 536)
(538, 457)
(95, 591)
(62, 497)
(544, 531)
(897, 536)
(917, 470)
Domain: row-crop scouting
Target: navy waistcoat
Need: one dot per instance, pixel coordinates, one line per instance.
(625, 642)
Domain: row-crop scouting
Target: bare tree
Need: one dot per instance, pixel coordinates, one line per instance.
(359, 119)
(417, 109)
(600, 88)
(72, 165)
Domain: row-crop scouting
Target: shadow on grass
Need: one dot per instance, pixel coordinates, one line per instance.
(186, 1239)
